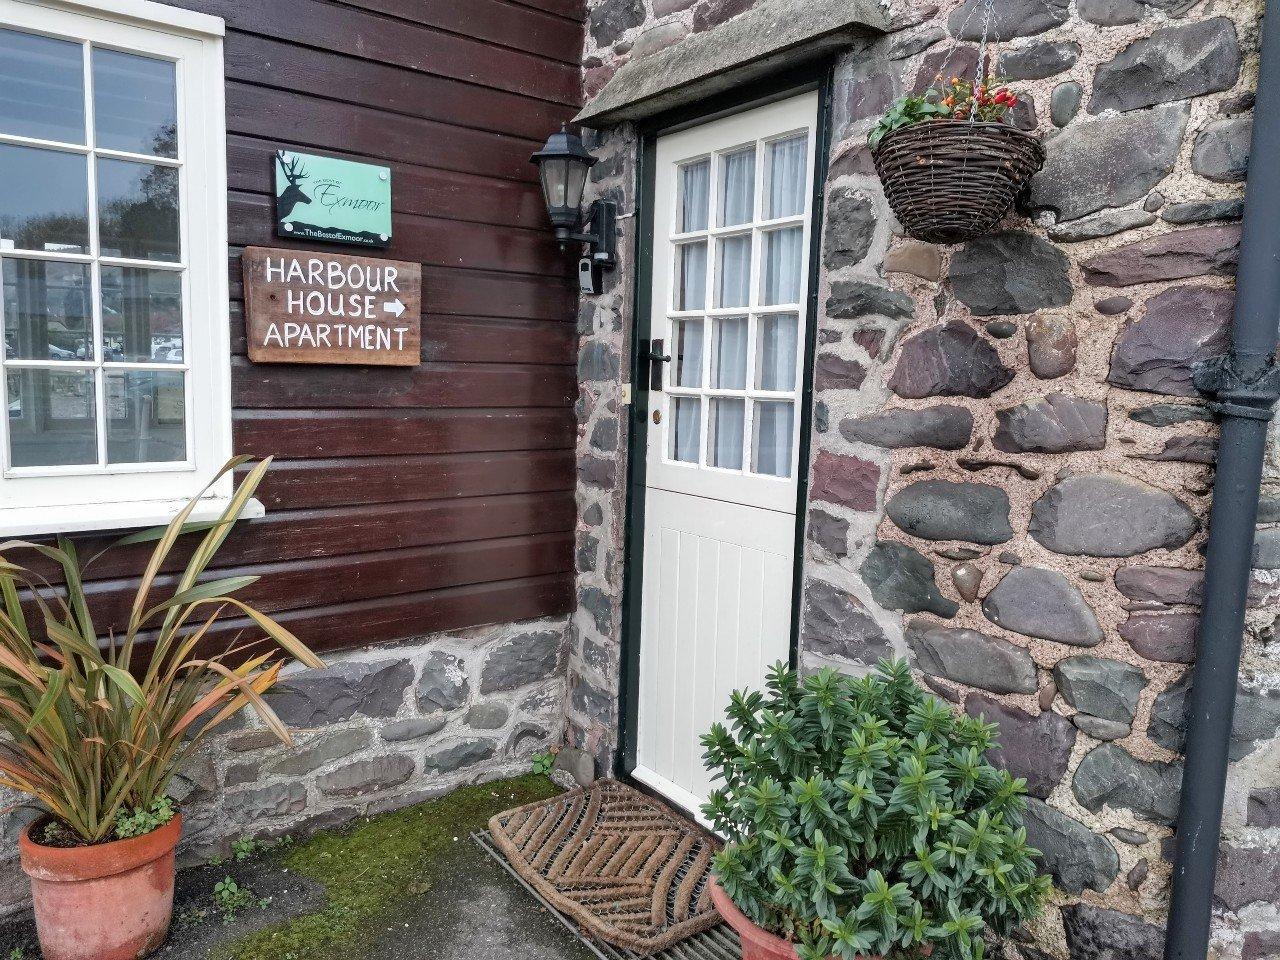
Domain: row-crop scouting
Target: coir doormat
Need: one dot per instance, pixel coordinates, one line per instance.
(630, 871)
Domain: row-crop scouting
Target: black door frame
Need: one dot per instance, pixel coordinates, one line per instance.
(814, 76)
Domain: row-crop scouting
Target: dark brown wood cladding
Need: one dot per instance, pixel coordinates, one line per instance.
(406, 501)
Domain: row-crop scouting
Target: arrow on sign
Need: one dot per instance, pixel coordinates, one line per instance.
(395, 306)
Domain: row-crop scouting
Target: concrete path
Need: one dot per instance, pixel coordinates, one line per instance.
(478, 912)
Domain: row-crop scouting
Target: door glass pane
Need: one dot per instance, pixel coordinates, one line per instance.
(691, 276)
(724, 432)
(138, 210)
(44, 200)
(783, 261)
(46, 311)
(771, 445)
(695, 195)
(729, 353)
(685, 429)
(141, 315)
(784, 194)
(41, 87)
(52, 422)
(135, 103)
(733, 271)
(687, 356)
(776, 352)
(738, 187)
(146, 417)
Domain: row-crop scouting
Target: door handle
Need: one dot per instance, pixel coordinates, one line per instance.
(656, 359)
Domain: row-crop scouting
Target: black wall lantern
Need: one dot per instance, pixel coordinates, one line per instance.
(563, 165)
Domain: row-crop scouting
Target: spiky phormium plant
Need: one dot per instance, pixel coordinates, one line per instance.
(863, 818)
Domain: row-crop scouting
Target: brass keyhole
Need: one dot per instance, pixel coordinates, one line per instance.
(657, 416)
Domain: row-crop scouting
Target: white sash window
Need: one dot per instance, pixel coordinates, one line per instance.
(115, 395)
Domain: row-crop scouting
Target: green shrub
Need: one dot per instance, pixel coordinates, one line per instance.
(862, 817)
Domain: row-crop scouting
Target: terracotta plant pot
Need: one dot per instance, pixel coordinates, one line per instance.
(112, 901)
(759, 944)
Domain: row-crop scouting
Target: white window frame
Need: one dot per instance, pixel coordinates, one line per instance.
(65, 500)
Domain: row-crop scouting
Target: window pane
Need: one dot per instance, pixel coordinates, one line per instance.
(776, 352)
(685, 429)
(135, 103)
(729, 353)
(784, 196)
(141, 315)
(41, 87)
(687, 335)
(146, 417)
(724, 433)
(52, 423)
(695, 195)
(138, 210)
(733, 270)
(783, 261)
(44, 200)
(771, 446)
(46, 311)
(691, 276)
(738, 187)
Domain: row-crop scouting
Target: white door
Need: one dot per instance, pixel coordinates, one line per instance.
(732, 222)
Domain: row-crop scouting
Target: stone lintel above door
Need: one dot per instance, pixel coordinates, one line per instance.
(765, 39)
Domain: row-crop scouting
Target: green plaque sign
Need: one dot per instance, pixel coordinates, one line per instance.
(339, 201)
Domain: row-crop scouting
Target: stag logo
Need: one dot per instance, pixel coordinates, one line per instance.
(295, 173)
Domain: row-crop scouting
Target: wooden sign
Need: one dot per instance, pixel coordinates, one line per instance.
(305, 307)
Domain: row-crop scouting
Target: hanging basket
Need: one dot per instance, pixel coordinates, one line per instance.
(951, 180)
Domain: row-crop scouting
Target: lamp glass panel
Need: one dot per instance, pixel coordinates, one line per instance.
(577, 183)
(555, 179)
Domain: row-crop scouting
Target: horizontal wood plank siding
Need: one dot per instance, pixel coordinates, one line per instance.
(404, 501)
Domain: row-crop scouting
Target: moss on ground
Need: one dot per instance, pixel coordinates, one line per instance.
(371, 870)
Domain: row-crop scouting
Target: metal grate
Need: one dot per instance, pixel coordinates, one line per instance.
(718, 943)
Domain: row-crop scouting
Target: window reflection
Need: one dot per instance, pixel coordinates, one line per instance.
(47, 313)
(141, 315)
(41, 87)
(138, 210)
(146, 416)
(51, 418)
(44, 200)
(135, 103)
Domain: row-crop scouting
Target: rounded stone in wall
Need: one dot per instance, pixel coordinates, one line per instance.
(1012, 272)
(1044, 604)
(1104, 515)
(946, 510)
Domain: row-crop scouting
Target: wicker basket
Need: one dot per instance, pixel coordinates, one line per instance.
(951, 180)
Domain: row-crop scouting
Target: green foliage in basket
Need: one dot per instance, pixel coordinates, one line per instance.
(959, 99)
(863, 818)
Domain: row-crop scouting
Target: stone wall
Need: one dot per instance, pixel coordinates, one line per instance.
(604, 325)
(380, 728)
(1011, 468)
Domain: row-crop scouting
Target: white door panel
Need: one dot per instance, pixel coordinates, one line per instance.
(732, 223)
(716, 615)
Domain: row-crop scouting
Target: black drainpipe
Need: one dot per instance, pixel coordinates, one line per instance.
(1244, 386)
